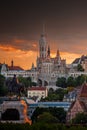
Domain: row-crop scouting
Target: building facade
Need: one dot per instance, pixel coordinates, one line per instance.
(39, 92)
(49, 68)
(79, 105)
(46, 72)
(10, 71)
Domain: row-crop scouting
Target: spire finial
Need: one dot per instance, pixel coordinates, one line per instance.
(12, 63)
(43, 28)
(43, 31)
(57, 53)
(48, 51)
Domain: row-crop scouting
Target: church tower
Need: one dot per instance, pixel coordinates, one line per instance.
(12, 63)
(48, 52)
(43, 46)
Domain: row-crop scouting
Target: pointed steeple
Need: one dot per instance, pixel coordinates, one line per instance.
(58, 54)
(32, 65)
(48, 51)
(43, 33)
(12, 63)
(43, 45)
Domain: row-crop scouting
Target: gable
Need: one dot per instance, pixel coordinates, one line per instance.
(78, 107)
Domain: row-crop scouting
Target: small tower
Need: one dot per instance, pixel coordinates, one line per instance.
(12, 63)
(58, 57)
(43, 45)
(57, 54)
(32, 66)
(48, 51)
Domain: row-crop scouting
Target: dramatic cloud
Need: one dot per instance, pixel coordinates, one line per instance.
(25, 45)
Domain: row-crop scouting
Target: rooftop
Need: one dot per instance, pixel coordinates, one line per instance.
(83, 92)
(37, 88)
(14, 68)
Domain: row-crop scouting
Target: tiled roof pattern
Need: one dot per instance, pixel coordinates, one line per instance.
(14, 68)
(82, 104)
(83, 92)
(76, 61)
(37, 88)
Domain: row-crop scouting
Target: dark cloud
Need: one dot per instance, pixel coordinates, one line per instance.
(65, 22)
(23, 45)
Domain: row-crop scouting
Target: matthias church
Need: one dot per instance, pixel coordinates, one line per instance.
(47, 69)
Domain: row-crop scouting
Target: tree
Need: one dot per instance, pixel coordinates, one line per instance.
(61, 82)
(27, 82)
(80, 80)
(79, 67)
(71, 82)
(59, 113)
(3, 88)
(60, 92)
(51, 91)
(81, 118)
(46, 117)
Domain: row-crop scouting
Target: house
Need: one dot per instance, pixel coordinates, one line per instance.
(80, 105)
(71, 96)
(82, 61)
(39, 92)
(76, 107)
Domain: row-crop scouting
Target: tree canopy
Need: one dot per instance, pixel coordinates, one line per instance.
(81, 118)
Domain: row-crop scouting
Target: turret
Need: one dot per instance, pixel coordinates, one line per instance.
(57, 54)
(48, 52)
(12, 63)
(43, 46)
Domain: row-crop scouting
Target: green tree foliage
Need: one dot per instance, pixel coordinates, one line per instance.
(56, 95)
(79, 67)
(61, 82)
(80, 80)
(27, 82)
(59, 113)
(60, 92)
(46, 117)
(41, 126)
(71, 82)
(3, 88)
(80, 118)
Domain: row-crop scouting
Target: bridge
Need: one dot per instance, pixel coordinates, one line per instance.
(33, 105)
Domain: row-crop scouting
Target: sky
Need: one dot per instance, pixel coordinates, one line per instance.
(21, 24)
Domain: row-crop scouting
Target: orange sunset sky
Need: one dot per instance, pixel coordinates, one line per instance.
(21, 24)
(25, 58)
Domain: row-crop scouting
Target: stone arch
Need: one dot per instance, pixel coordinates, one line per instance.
(10, 114)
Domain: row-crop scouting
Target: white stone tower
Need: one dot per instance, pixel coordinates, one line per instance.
(43, 45)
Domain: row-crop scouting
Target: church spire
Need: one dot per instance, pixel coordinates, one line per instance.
(12, 63)
(43, 45)
(43, 33)
(32, 65)
(48, 51)
(58, 54)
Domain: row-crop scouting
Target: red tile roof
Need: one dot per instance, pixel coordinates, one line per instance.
(37, 88)
(82, 104)
(14, 68)
(83, 92)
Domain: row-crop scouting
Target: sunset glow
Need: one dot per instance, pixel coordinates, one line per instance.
(25, 58)
(21, 24)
